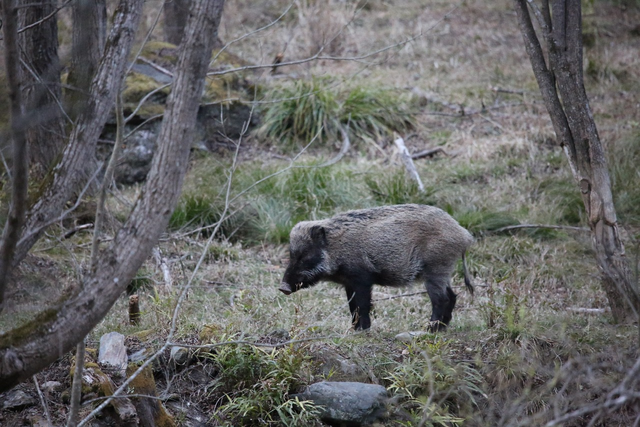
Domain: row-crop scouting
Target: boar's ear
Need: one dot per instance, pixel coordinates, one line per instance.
(318, 234)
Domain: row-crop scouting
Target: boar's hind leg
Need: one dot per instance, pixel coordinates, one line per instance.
(360, 305)
(443, 300)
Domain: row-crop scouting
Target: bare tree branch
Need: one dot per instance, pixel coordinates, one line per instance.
(318, 54)
(56, 330)
(49, 16)
(79, 151)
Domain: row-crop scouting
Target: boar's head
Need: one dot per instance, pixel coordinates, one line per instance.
(307, 258)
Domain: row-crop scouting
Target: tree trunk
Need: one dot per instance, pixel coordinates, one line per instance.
(41, 83)
(88, 41)
(175, 19)
(562, 86)
(25, 351)
(69, 175)
(20, 173)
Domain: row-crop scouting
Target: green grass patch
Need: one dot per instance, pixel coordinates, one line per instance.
(316, 108)
(254, 386)
(624, 158)
(396, 188)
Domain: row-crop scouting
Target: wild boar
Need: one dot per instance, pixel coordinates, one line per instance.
(389, 246)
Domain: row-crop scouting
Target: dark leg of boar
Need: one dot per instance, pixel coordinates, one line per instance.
(443, 301)
(359, 298)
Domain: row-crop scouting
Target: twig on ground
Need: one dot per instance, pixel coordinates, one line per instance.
(553, 227)
(408, 163)
(45, 407)
(343, 150)
(74, 230)
(254, 343)
(156, 66)
(428, 152)
(399, 296)
(514, 91)
(587, 310)
(166, 272)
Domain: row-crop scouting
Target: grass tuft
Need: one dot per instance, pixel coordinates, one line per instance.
(396, 188)
(254, 386)
(316, 108)
(624, 159)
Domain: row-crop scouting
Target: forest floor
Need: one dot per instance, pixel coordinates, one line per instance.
(535, 345)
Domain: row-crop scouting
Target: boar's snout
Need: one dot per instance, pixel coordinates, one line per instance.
(285, 288)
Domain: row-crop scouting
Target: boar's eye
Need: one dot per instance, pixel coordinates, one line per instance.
(310, 261)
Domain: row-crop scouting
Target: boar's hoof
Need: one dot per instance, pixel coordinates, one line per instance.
(437, 326)
(285, 288)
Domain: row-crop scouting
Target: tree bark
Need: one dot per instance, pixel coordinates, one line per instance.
(20, 175)
(175, 19)
(26, 351)
(41, 83)
(562, 86)
(88, 42)
(69, 175)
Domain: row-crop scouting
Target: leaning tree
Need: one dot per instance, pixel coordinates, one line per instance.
(559, 76)
(37, 343)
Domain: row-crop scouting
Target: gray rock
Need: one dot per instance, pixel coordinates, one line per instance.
(339, 367)
(192, 415)
(136, 156)
(112, 352)
(51, 386)
(16, 399)
(410, 336)
(140, 355)
(38, 421)
(125, 411)
(179, 356)
(347, 403)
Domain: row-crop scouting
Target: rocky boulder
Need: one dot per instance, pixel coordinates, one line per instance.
(347, 403)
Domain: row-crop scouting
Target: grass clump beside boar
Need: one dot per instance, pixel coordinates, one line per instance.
(299, 112)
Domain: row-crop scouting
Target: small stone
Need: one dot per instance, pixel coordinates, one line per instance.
(51, 386)
(410, 336)
(180, 355)
(16, 399)
(113, 353)
(38, 421)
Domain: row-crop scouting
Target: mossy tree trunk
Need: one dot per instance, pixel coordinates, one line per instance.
(25, 351)
(562, 86)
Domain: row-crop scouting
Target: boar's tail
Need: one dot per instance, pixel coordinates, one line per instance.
(467, 277)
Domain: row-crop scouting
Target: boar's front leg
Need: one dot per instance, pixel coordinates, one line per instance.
(360, 305)
(443, 301)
